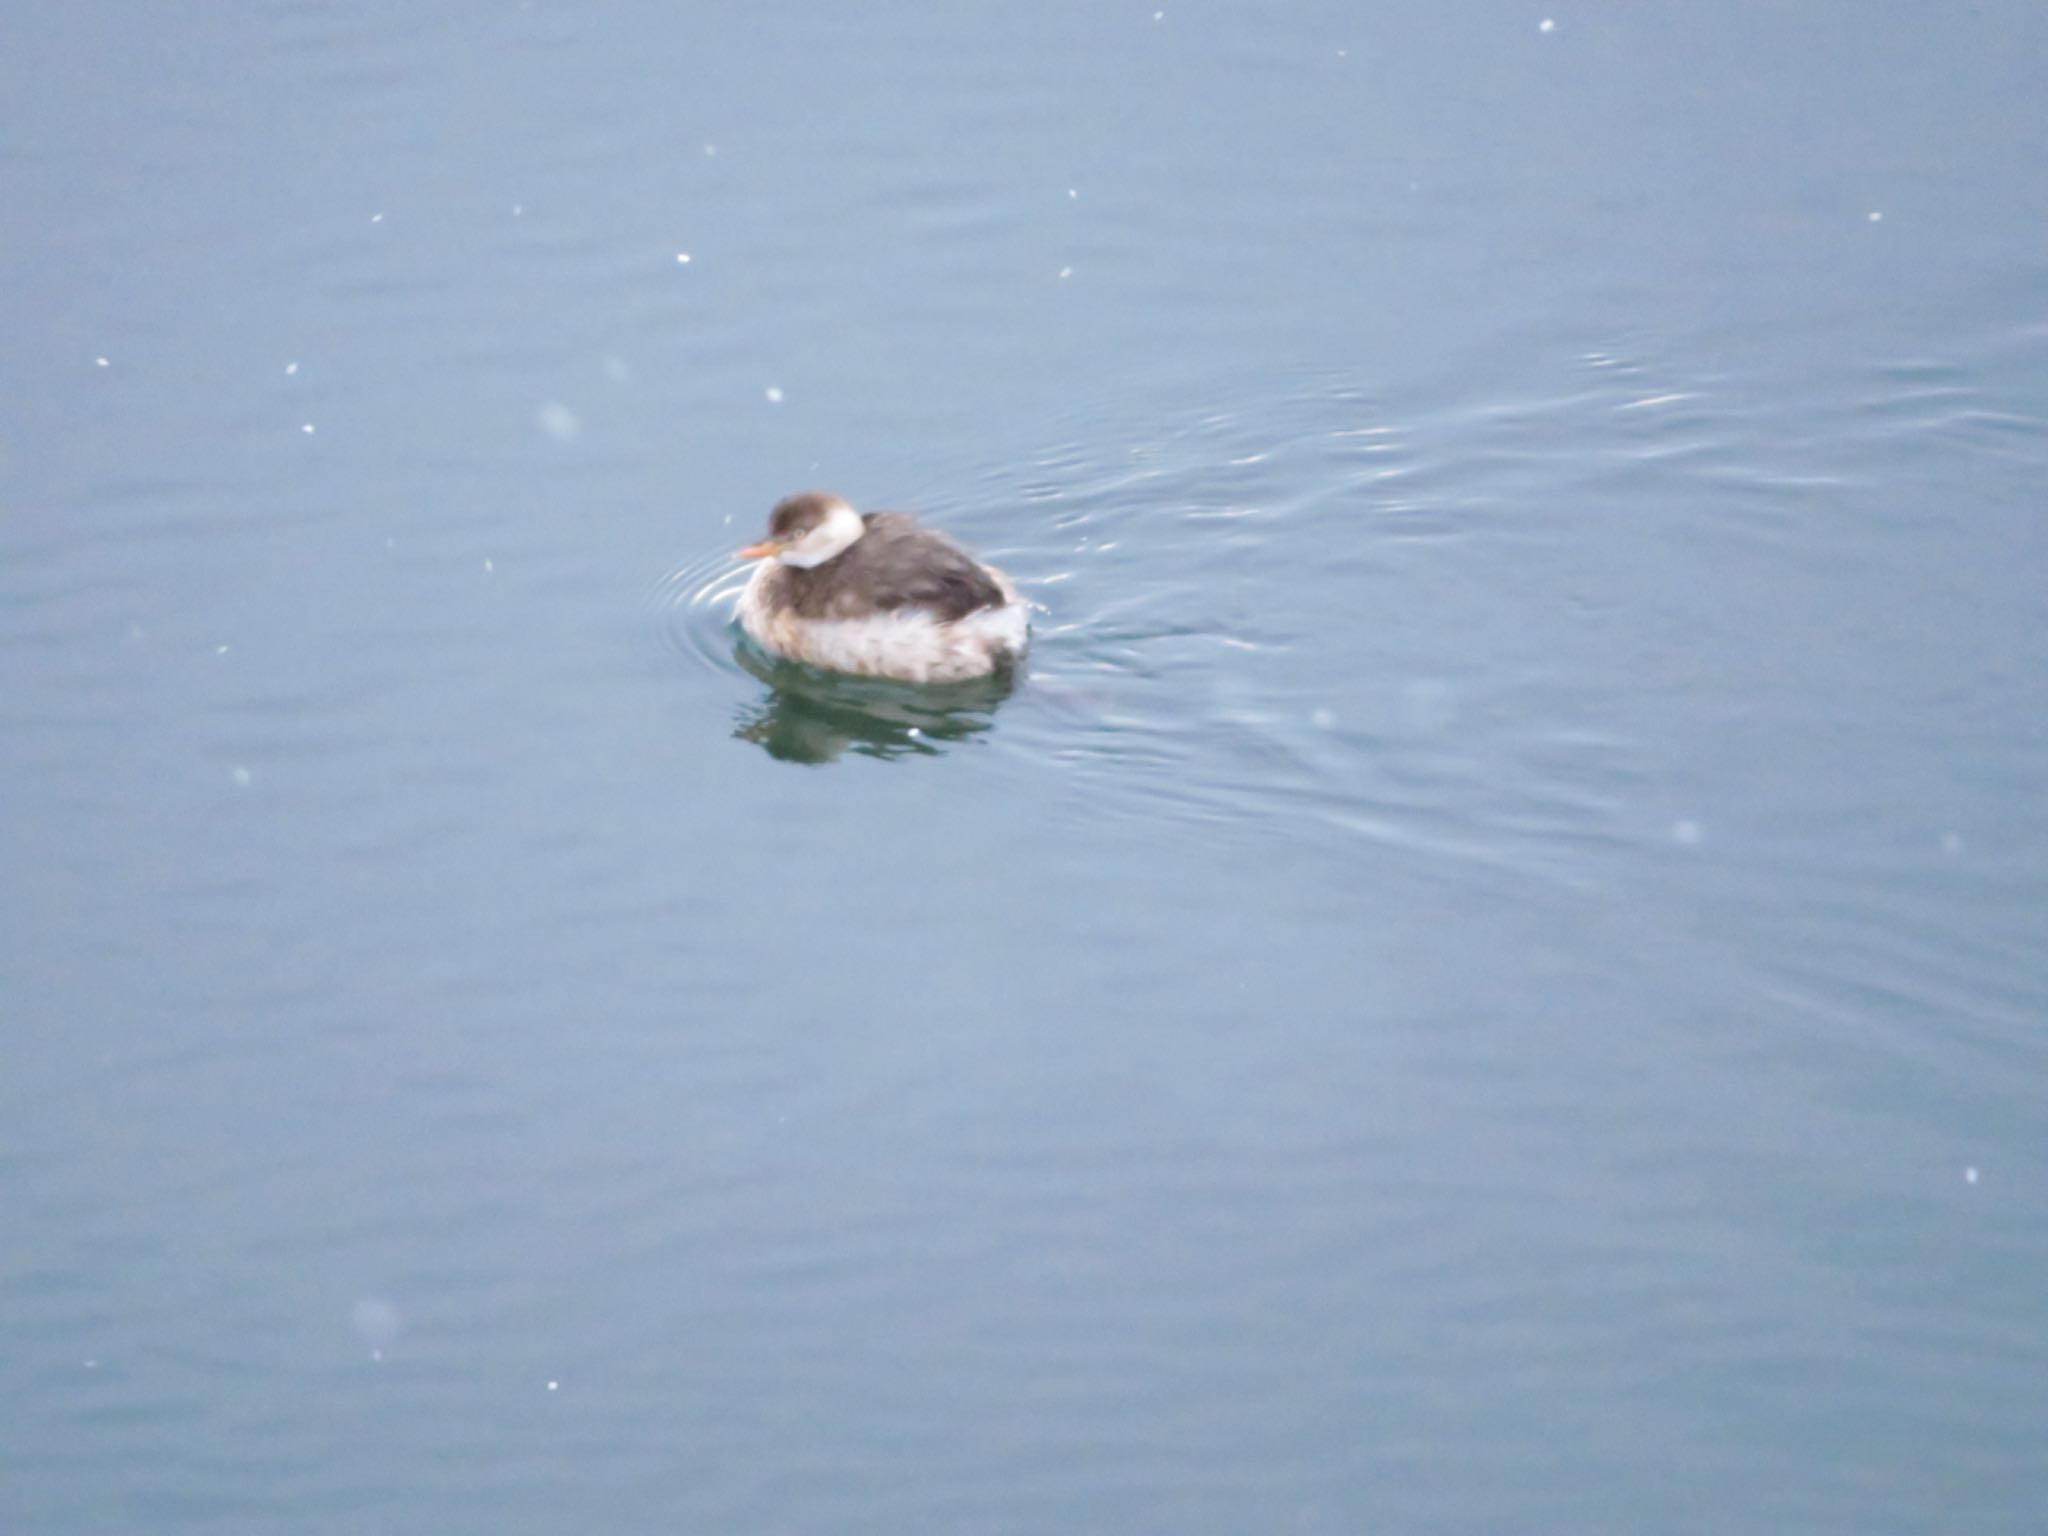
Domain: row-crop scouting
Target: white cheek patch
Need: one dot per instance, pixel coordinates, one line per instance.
(841, 527)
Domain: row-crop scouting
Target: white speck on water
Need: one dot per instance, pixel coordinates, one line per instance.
(1343, 53)
(307, 429)
(1686, 834)
(519, 210)
(554, 1386)
(1159, 15)
(90, 1365)
(242, 776)
(1546, 25)
(102, 362)
(1877, 216)
(710, 151)
(1969, 1175)
(914, 733)
(376, 218)
(682, 258)
(1066, 272)
(1073, 192)
(1952, 843)
(290, 369)
(488, 567)
(558, 421)
(774, 395)
(376, 1322)
(728, 519)
(220, 650)
(1322, 719)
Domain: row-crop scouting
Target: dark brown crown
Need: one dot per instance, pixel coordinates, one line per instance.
(795, 516)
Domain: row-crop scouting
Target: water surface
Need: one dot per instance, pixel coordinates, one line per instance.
(1487, 977)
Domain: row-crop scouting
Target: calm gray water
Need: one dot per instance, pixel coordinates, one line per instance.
(1490, 978)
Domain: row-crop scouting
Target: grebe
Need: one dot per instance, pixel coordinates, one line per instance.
(878, 595)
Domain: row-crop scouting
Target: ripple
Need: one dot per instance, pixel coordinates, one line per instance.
(1325, 620)
(692, 607)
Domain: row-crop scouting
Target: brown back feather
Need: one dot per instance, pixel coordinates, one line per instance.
(895, 564)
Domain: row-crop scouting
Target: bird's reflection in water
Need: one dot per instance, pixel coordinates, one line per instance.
(809, 716)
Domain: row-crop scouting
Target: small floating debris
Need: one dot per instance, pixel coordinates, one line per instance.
(102, 362)
(1969, 1175)
(1877, 215)
(682, 258)
(307, 429)
(1547, 24)
(774, 395)
(376, 218)
(290, 369)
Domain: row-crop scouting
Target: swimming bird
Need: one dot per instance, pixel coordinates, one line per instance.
(878, 595)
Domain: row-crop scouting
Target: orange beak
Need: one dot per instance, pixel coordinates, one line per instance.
(760, 551)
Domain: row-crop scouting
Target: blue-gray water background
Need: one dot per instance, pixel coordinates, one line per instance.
(1491, 977)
